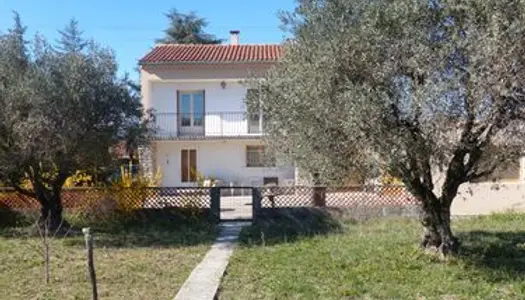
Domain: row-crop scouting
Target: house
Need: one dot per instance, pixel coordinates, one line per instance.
(197, 96)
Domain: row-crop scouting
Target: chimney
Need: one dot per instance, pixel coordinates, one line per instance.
(234, 37)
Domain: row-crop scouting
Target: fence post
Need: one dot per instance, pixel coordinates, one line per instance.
(320, 196)
(215, 205)
(90, 264)
(256, 205)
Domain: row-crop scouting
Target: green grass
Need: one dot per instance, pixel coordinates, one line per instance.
(148, 257)
(376, 259)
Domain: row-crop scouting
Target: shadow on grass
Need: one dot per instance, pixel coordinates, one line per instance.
(282, 225)
(141, 228)
(499, 254)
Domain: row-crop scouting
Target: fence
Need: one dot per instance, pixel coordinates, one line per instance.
(85, 199)
(362, 200)
(354, 201)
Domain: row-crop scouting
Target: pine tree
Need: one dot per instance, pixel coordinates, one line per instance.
(71, 39)
(187, 29)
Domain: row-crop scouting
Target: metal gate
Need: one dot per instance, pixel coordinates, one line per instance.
(233, 203)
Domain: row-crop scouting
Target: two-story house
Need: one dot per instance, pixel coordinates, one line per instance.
(197, 95)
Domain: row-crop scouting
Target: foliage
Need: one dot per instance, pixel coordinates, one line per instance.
(370, 260)
(130, 191)
(390, 180)
(187, 29)
(79, 179)
(203, 180)
(428, 92)
(63, 106)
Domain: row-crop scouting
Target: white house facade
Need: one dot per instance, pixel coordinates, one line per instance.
(197, 96)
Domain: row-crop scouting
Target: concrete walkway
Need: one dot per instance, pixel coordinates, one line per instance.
(204, 280)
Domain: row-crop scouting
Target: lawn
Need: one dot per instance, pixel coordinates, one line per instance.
(148, 258)
(376, 259)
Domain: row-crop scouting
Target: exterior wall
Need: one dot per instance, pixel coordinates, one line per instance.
(222, 159)
(224, 108)
(179, 74)
(502, 191)
(487, 198)
(216, 99)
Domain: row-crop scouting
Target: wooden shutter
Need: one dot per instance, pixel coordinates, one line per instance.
(184, 166)
(193, 165)
(188, 165)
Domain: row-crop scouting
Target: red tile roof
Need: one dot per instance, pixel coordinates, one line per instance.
(181, 53)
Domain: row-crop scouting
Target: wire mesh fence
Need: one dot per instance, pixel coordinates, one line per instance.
(93, 201)
(359, 202)
(332, 196)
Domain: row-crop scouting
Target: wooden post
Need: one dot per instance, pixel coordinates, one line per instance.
(256, 205)
(319, 196)
(46, 249)
(91, 267)
(215, 205)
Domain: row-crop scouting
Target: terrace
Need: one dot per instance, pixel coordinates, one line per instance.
(209, 125)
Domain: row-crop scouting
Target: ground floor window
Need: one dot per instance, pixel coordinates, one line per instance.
(188, 165)
(256, 156)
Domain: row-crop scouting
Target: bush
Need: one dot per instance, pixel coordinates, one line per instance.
(128, 199)
(8, 217)
(131, 191)
(79, 179)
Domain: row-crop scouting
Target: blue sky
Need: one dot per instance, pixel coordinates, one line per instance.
(130, 26)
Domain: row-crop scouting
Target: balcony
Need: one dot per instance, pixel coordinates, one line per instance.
(191, 126)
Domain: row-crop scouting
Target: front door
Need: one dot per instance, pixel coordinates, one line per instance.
(188, 165)
(191, 113)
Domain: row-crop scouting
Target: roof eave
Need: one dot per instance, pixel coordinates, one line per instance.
(149, 63)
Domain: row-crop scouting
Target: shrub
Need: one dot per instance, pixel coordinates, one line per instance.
(131, 191)
(79, 179)
(204, 181)
(8, 217)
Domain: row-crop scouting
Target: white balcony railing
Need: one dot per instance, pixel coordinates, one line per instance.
(212, 124)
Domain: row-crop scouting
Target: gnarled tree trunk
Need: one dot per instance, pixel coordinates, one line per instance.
(50, 212)
(50, 201)
(437, 233)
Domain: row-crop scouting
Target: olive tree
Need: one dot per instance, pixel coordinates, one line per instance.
(430, 92)
(62, 108)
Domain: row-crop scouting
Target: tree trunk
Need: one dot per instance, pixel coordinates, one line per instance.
(50, 211)
(437, 234)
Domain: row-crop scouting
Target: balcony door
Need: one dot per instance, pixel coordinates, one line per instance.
(255, 115)
(191, 113)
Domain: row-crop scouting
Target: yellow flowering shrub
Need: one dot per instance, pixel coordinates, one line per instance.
(131, 191)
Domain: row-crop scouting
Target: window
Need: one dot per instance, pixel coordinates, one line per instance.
(191, 109)
(188, 165)
(256, 156)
